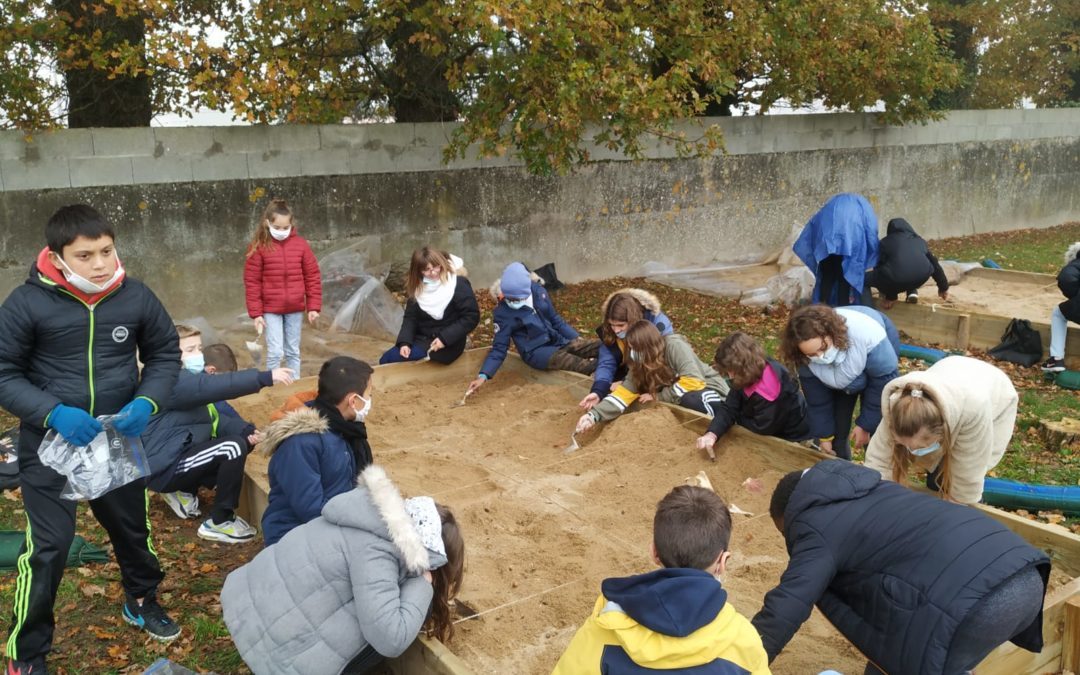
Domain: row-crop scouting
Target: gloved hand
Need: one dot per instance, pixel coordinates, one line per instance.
(74, 424)
(133, 418)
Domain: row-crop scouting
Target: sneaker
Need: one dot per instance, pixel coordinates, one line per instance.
(234, 531)
(183, 504)
(35, 667)
(912, 298)
(150, 617)
(1053, 365)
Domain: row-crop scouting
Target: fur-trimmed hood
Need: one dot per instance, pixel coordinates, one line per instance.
(303, 420)
(496, 288)
(647, 300)
(1072, 253)
(389, 519)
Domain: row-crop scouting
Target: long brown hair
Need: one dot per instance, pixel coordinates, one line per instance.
(446, 581)
(807, 323)
(421, 258)
(262, 239)
(742, 357)
(621, 307)
(909, 413)
(650, 370)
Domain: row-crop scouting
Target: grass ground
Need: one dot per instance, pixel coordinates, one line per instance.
(92, 639)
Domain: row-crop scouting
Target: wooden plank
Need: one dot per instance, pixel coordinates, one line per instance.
(427, 656)
(1008, 659)
(1062, 546)
(924, 323)
(1014, 276)
(1070, 637)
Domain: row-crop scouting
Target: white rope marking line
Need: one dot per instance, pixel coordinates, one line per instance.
(520, 600)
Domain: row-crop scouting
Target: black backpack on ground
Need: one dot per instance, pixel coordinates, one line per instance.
(1020, 344)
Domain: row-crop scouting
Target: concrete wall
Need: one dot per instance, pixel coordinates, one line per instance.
(185, 199)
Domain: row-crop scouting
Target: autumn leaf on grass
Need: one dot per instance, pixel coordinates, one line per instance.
(103, 634)
(90, 590)
(207, 568)
(118, 652)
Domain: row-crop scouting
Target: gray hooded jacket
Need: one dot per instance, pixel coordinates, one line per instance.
(348, 579)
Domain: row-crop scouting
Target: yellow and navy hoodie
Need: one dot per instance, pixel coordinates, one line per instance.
(669, 620)
(692, 373)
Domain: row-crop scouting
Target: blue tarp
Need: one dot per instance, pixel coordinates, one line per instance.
(846, 226)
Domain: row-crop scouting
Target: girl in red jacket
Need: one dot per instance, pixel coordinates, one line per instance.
(281, 282)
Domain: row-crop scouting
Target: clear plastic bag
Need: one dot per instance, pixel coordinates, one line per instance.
(370, 310)
(111, 460)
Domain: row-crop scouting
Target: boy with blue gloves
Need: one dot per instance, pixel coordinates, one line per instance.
(543, 338)
(73, 336)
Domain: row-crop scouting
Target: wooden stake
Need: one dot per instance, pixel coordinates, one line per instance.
(1070, 639)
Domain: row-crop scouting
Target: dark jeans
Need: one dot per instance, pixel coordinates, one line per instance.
(364, 662)
(889, 288)
(843, 411)
(217, 463)
(419, 349)
(835, 290)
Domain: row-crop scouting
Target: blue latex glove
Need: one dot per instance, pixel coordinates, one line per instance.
(133, 418)
(74, 424)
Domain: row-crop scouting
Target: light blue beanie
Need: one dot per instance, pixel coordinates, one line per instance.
(516, 282)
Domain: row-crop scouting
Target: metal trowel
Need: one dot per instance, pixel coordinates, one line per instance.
(255, 348)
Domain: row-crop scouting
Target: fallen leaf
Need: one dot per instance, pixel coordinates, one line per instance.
(90, 590)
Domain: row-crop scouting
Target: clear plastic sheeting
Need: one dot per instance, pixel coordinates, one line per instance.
(112, 460)
(370, 309)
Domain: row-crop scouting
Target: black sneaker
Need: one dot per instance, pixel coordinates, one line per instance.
(912, 298)
(150, 617)
(1053, 365)
(35, 667)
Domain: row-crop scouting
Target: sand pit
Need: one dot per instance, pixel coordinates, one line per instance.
(1005, 295)
(544, 528)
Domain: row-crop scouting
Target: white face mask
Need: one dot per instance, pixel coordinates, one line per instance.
(827, 358)
(280, 235)
(84, 284)
(515, 304)
(920, 452)
(362, 414)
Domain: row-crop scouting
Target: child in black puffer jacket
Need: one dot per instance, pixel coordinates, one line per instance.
(904, 264)
(1068, 280)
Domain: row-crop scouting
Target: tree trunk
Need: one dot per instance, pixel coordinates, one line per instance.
(94, 100)
(1056, 435)
(417, 88)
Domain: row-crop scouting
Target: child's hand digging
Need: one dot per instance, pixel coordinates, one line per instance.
(585, 423)
(474, 385)
(707, 441)
(589, 401)
(282, 375)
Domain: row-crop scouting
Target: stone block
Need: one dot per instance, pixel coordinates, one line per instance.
(337, 136)
(12, 145)
(235, 140)
(325, 162)
(123, 142)
(191, 141)
(164, 169)
(87, 171)
(61, 143)
(293, 137)
(219, 167)
(35, 175)
(273, 164)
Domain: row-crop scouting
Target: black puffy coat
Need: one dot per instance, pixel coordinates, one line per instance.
(894, 570)
(905, 261)
(459, 319)
(54, 349)
(1068, 280)
(193, 417)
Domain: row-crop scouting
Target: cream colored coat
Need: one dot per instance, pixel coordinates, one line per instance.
(979, 404)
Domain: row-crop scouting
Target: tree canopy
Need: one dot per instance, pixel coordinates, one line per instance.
(531, 77)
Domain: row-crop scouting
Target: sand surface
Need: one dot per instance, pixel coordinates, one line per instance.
(1014, 299)
(543, 528)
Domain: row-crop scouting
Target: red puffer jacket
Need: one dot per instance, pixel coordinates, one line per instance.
(281, 278)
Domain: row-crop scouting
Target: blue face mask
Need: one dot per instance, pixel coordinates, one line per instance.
(621, 335)
(515, 304)
(431, 283)
(194, 363)
(920, 452)
(827, 358)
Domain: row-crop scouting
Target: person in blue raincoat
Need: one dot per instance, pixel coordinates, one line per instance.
(838, 245)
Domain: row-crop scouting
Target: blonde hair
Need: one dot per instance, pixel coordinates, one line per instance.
(185, 331)
(421, 258)
(650, 371)
(913, 410)
(262, 239)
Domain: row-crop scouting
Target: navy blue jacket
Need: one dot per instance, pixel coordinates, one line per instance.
(1068, 281)
(197, 414)
(55, 349)
(896, 571)
(784, 418)
(881, 368)
(609, 361)
(310, 466)
(538, 332)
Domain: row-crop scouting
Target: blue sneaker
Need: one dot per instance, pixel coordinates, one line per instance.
(150, 617)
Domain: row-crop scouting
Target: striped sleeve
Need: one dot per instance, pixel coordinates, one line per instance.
(614, 404)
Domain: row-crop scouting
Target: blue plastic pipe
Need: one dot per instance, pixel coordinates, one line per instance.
(927, 354)
(1015, 495)
(987, 262)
